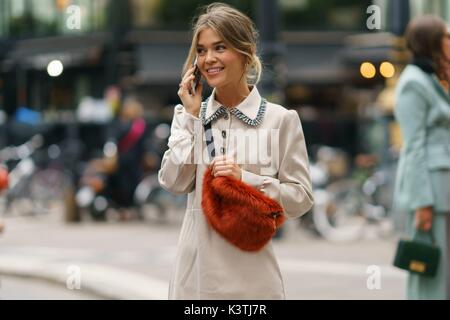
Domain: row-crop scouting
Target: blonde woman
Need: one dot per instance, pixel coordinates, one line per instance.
(207, 266)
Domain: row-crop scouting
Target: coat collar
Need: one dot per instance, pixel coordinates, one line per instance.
(433, 80)
(250, 111)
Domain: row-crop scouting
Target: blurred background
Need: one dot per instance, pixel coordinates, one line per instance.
(87, 90)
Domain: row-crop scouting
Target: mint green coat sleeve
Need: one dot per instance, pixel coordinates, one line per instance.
(411, 113)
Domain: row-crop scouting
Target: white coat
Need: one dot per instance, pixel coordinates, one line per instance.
(276, 163)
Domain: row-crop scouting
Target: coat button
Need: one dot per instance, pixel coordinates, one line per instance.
(222, 150)
(224, 134)
(226, 116)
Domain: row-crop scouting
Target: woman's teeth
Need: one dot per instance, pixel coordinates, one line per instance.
(214, 70)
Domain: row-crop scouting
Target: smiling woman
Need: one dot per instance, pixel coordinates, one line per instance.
(227, 59)
(235, 201)
(222, 67)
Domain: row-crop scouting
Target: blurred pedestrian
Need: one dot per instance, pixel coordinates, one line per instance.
(423, 113)
(207, 266)
(122, 168)
(3, 186)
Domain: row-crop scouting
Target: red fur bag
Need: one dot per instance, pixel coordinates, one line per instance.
(241, 214)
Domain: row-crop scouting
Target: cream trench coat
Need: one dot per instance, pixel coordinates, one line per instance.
(207, 266)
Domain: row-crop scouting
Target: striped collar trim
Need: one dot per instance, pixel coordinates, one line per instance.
(251, 111)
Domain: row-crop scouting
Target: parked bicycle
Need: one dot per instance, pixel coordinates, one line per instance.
(349, 206)
(148, 200)
(19, 198)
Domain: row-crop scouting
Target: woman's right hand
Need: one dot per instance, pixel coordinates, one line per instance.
(190, 102)
(424, 219)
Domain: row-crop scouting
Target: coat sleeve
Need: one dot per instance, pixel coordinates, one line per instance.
(411, 113)
(292, 189)
(178, 167)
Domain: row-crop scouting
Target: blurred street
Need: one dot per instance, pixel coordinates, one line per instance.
(27, 289)
(133, 261)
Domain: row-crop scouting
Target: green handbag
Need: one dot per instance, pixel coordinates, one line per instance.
(418, 256)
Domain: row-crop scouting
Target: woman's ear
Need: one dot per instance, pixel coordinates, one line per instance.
(247, 63)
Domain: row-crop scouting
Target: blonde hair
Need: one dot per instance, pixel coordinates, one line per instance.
(236, 29)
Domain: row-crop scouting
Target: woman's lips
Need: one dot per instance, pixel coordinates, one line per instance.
(214, 71)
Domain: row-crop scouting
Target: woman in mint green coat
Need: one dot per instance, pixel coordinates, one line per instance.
(423, 177)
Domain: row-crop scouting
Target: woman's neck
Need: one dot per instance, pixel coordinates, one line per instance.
(427, 65)
(231, 96)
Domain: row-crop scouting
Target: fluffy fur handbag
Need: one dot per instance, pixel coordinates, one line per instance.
(243, 215)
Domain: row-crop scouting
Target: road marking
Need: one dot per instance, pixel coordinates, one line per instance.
(109, 282)
(335, 268)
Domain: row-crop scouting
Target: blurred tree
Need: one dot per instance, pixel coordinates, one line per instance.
(324, 14)
(119, 13)
(178, 14)
(22, 26)
(271, 51)
(399, 15)
(119, 21)
(30, 22)
(27, 26)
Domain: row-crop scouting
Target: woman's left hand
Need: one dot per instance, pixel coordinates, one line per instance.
(226, 167)
(424, 219)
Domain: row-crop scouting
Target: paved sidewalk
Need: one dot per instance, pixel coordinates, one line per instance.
(102, 280)
(134, 261)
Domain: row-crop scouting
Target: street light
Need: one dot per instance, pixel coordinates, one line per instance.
(387, 69)
(368, 70)
(55, 68)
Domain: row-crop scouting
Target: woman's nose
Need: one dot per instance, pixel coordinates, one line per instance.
(210, 57)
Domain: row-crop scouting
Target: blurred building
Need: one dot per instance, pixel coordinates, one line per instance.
(141, 45)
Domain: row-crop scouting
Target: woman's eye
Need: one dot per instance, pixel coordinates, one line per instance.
(200, 51)
(220, 48)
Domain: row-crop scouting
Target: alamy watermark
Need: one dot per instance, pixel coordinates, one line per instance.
(73, 281)
(73, 17)
(374, 20)
(247, 147)
(374, 279)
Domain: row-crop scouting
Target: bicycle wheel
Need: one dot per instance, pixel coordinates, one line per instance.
(47, 188)
(337, 212)
(16, 201)
(146, 198)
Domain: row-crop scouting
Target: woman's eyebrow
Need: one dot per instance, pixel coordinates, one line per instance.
(214, 44)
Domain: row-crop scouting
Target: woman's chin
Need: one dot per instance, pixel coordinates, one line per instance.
(215, 82)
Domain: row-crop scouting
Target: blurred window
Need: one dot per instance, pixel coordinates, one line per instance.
(144, 13)
(175, 14)
(30, 18)
(3, 22)
(37, 18)
(438, 7)
(93, 15)
(295, 14)
(336, 15)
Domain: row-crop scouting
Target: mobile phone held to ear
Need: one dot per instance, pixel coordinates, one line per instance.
(197, 78)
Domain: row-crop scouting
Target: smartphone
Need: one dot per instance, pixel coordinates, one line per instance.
(198, 76)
